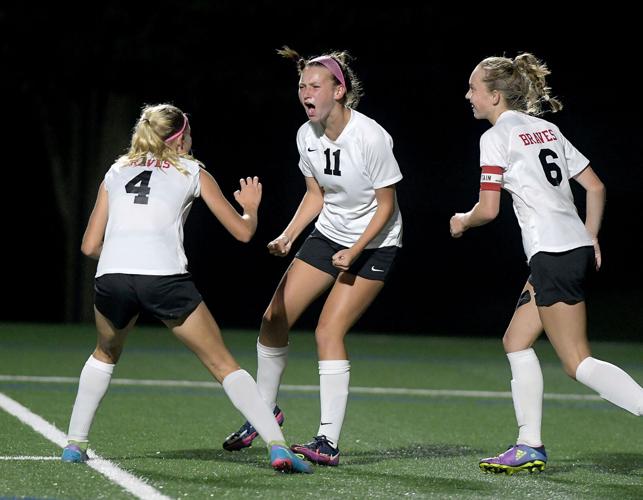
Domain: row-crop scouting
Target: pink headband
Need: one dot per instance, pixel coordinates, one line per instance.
(331, 65)
(180, 132)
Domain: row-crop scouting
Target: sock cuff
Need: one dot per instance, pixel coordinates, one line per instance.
(522, 356)
(99, 365)
(271, 352)
(232, 377)
(585, 369)
(334, 367)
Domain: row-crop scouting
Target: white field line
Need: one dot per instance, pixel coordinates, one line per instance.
(136, 486)
(398, 391)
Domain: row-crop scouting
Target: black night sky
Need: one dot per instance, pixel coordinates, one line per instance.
(217, 61)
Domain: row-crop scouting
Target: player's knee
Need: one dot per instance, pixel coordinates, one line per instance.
(327, 336)
(273, 319)
(570, 367)
(511, 343)
(108, 353)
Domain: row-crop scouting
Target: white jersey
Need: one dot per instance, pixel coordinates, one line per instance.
(349, 170)
(148, 204)
(537, 163)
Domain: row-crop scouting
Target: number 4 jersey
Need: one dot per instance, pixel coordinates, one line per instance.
(149, 201)
(530, 158)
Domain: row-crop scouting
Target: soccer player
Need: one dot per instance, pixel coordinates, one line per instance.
(350, 172)
(534, 162)
(136, 233)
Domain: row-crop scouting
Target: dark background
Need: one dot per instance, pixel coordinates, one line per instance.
(74, 82)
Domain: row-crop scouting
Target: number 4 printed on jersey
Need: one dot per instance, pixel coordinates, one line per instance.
(141, 191)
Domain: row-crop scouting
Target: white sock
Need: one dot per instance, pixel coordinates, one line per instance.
(333, 394)
(612, 384)
(527, 393)
(92, 386)
(271, 363)
(244, 394)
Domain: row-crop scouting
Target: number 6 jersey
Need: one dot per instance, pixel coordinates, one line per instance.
(149, 201)
(530, 158)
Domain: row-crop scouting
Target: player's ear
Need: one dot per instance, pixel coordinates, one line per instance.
(340, 91)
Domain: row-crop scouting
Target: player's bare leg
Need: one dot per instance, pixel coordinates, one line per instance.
(349, 298)
(201, 334)
(298, 288)
(525, 326)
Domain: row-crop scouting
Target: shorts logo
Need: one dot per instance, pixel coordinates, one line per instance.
(376, 270)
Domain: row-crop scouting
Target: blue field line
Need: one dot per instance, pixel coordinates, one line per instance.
(398, 391)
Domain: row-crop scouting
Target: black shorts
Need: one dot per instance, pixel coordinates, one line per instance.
(120, 297)
(372, 264)
(560, 277)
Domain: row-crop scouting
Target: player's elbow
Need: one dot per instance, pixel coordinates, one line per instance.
(244, 237)
(91, 249)
(597, 188)
(488, 212)
(245, 233)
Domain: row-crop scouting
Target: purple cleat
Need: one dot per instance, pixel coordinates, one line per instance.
(318, 451)
(518, 457)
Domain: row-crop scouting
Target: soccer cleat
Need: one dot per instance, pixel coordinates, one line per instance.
(516, 458)
(73, 453)
(244, 437)
(284, 460)
(318, 451)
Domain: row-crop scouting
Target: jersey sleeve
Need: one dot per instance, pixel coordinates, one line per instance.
(193, 169)
(576, 161)
(304, 162)
(196, 183)
(493, 161)
(108, 180)
(381, 165)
